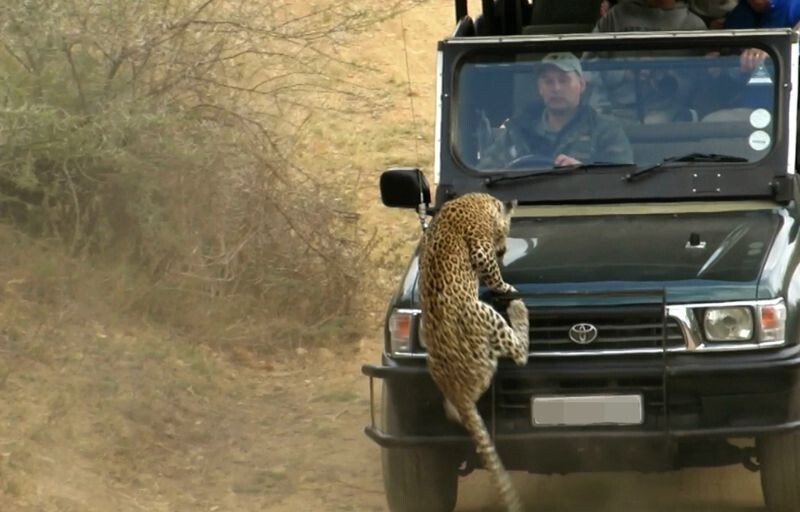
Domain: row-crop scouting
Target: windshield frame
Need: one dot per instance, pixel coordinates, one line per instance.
(695, 180)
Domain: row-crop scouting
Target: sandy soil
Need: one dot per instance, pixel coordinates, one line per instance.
(114, 421)
(347, 470)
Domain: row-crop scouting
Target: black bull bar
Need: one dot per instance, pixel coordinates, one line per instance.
(664, 369)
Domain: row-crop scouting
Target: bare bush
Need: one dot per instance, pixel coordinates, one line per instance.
(161, 133)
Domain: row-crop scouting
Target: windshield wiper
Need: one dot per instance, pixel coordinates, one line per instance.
(691, 157)
(550, 171)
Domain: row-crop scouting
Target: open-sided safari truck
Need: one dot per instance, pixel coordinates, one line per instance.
(663, 290)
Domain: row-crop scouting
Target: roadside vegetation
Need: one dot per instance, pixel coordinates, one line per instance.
(190, 221)
(176, 148)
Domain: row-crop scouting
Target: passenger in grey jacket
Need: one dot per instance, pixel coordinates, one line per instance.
(649, 15)
(671, 90)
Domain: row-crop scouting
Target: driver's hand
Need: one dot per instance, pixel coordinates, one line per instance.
(750, 59)
(562, 160)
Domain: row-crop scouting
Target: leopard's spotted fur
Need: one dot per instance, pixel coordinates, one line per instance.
(464, 336)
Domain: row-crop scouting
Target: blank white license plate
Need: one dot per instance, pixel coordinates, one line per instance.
(587, 410)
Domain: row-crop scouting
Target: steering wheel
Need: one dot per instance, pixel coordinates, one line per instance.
(530, 160)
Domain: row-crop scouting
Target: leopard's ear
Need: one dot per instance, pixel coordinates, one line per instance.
(509, 206)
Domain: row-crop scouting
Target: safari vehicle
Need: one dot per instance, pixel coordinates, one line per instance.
(663, 291)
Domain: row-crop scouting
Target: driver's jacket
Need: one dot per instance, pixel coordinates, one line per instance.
(589, 137)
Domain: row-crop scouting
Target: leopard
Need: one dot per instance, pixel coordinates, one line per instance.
(464, 336)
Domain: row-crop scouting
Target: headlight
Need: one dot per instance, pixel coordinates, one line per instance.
(401, 324)
(772, 322)
(728, 324)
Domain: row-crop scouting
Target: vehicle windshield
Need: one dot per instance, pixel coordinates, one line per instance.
(543, 110)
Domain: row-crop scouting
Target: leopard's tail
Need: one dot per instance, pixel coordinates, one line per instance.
(474, 424)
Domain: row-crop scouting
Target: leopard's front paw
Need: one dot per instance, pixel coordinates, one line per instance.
(517, 312)
(520, 322)
(521, 359)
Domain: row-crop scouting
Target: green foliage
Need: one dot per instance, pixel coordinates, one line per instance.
(160, 133)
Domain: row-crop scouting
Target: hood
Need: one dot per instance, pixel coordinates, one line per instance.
(643, 251)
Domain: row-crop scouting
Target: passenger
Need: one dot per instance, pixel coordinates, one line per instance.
(563, 132)
(762, 14)
(660, 96)
(712, 12)
(724, 93)
(649, 15)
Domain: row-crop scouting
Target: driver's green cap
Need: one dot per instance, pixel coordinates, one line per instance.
(564, 61)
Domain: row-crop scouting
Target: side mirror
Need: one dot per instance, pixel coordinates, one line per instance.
(402, 187)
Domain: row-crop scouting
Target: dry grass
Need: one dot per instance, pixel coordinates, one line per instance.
(104, 412)
(398, 130)
(122, 394)
(107, 415)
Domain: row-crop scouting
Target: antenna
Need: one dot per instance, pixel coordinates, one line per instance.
(422, 208)
(410, 90)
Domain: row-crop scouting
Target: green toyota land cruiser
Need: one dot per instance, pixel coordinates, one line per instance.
(655, 245)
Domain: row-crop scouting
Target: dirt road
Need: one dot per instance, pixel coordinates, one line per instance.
(147, 423)
(354, 478)
(706, 490)
(98, 419)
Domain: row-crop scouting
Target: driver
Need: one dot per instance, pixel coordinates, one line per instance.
(564, 131)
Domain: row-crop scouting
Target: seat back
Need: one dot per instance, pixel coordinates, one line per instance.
(558, 28)
(650, 141)
(552, 12)
(563, 17)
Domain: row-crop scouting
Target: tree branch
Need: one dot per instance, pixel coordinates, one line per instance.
(17, 58)
(67, 48)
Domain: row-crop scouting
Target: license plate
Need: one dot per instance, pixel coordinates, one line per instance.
(587, 410)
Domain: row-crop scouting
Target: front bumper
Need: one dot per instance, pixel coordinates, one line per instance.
(686, 397)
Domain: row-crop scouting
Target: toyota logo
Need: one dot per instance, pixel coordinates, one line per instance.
(583, 334)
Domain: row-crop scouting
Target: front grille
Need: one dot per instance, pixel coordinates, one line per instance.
(618, 328)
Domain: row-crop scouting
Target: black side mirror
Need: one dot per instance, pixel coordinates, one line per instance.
(402, 187)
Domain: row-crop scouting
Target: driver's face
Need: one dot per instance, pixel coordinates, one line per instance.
(560, 90)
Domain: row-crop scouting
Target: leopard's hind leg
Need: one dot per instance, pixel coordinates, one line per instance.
(474, 424)
(502, 340)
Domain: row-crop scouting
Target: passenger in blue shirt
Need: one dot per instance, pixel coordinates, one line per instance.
(764, 14)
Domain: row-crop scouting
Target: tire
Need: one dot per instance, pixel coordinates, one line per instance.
(779, 456)
(417, 479)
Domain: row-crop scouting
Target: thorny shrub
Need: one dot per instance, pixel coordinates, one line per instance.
(160, 133)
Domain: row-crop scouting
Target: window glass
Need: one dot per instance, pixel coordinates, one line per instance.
(539, 110)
